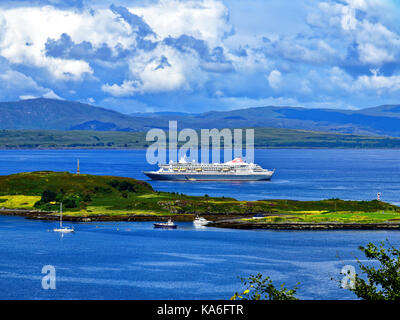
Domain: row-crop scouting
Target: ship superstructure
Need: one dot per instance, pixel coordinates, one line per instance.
(233, 170)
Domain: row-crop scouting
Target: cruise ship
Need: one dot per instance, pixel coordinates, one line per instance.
(235, 170)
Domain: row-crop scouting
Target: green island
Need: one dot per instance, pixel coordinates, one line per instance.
(37, 195)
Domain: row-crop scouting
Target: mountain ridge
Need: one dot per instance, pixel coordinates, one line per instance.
(47, 114)
(52, 114)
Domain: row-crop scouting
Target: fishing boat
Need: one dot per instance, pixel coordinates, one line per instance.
(165, 225)
(61, 228)
(200, 221)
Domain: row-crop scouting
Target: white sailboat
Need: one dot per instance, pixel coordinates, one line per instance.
(61, 228)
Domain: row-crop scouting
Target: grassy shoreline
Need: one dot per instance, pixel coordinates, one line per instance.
(322, 226)
(233, 221)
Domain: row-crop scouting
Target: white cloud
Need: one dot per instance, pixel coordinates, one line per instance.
(27, 97)
(373, 55)
(3, 24)
(305, 63)
(52, 95)
(367, 4)
(368, 31)
(206, 19)
(127, 88)
(311, 49)
(339, 79)
(245, 102)
(27, 30)
(253, 61)
(349, 21)
(155, 77)
(274, 79)
(13, 83)
(364, 84)
(150, 75)
(378, 83)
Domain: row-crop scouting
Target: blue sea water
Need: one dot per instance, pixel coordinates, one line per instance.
(131, 260)
(300, 174)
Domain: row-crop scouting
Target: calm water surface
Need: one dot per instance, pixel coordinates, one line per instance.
(300, 174)
(134, 261)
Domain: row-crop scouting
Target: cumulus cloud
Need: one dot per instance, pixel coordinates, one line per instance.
(355, 23)
(156, 50)
(373, 83)
(136, 22)
(13, 83)
(68, 43)
(348, 21)
(370, 54)
(300, 49)
(205, 20)
(161, 70)
(189, 50)
(213, 61)
(378, 83)
(127, 88)
(27, 30)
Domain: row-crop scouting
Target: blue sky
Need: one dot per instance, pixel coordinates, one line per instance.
(201, 55)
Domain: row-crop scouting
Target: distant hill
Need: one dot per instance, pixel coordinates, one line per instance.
(50, 114)
(264, 138)
(158, 114)
(385, 111)
(66, 115)
(383, 120)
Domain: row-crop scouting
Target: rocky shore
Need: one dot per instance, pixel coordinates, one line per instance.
(240, 224)
(51, 216)
(218, 221)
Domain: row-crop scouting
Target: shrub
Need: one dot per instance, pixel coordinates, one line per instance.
(71, 201)
(383, 280)
(48, 196)
(262, 288)
(122, 185)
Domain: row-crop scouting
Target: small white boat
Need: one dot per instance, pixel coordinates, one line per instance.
(200, 221)
(259, 216)
(63, 229)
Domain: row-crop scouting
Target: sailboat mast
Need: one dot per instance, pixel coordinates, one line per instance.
(60, 214)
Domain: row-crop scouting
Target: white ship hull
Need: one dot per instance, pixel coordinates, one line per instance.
(208, 176)
(235, 170)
